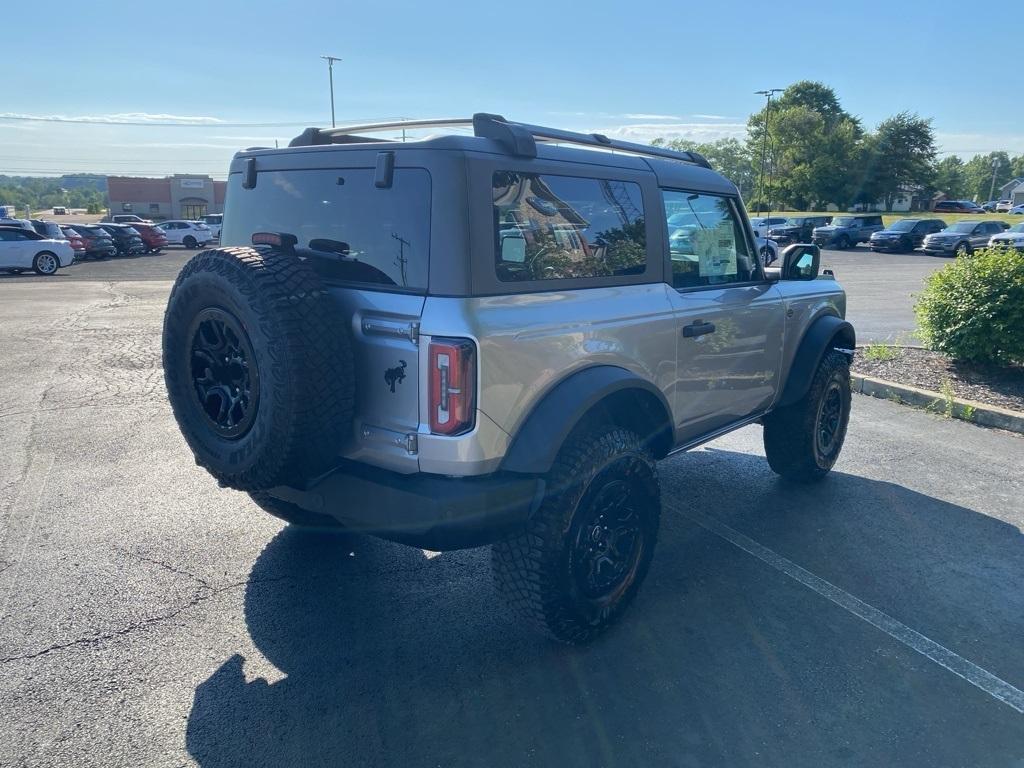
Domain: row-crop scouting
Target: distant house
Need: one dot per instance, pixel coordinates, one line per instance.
(1013, 191)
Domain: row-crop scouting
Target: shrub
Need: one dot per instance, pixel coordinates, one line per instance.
(973, 309)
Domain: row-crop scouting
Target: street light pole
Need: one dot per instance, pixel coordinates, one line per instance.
(995, 168)
(768, 93)
(330, 74)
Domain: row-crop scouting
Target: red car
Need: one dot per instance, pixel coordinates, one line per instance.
(152, 236)
(76, 240)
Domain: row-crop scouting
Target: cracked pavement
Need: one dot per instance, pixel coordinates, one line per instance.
(150, 618)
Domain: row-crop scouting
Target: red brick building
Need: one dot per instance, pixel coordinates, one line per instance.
(182, 196)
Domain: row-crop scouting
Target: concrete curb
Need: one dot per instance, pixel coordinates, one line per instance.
(965, 410)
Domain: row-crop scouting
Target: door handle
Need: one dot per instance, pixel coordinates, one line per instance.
(698, 328)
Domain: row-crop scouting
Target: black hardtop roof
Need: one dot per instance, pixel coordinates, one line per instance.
(685, 170)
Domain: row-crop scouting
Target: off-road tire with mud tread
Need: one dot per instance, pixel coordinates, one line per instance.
(532, 569)
(303, 357)
(790, 432)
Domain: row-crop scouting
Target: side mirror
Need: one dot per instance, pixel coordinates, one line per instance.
(801, 262)
(513, 248)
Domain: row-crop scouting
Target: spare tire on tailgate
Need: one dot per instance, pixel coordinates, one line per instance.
(258, 366)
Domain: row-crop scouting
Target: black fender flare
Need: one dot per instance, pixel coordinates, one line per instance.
(825, 333)
(538, 440)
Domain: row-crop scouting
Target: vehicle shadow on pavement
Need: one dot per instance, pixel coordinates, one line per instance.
(393, 658)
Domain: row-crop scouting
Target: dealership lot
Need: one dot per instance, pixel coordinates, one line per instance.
(151, 618)
(879, 286)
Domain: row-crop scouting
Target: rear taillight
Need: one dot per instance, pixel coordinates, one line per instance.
(452, 386)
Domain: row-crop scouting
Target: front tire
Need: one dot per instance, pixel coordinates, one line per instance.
(963, 249)
(45, 263)
(583, 555)
(843, 243)
(190, 242)
(802, 441)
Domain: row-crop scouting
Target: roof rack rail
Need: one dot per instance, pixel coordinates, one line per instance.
(517, 138)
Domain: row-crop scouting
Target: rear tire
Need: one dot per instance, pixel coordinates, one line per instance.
(802, 441)
(45, 263)
(258, 369)
(579, 562)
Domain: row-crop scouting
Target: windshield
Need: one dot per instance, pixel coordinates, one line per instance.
(962, 226)
(903, 226)
(843, 221)
(1016, 228)
(797, 222)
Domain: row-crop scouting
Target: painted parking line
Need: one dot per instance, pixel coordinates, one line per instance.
(995, 687)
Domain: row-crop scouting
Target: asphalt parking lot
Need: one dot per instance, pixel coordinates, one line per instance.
(148, 617)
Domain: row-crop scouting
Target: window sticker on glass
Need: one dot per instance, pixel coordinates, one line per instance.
(716, 250)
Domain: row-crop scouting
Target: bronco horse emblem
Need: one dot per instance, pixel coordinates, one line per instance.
(396, 375)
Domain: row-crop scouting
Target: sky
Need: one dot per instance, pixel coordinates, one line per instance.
(207, 80)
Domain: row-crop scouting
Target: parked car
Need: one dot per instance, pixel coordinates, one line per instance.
(399, 402)
(191, 234)
(905, 235)
(75, 240)
(124, 218)
(22, 249)
(1004, 206)
(153, 237)
(1017, 210)
(761, 224)
(962, 238)
(60, 210)
(989, 206)
(98, 242)
(847, 230)
(12, 222)
(1012, 238)
(126, 239)
(957, 206)
(797, 229)
(50, 229)
(214, 221)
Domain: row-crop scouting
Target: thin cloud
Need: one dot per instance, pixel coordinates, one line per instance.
(714, 117)
(117, 118)
(647, 116)
(647, 132)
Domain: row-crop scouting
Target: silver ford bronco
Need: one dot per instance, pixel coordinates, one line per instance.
(492, 338)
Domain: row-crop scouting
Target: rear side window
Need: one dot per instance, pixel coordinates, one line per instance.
(551, 227)
(351, 229)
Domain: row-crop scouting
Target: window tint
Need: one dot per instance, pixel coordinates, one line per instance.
(354, 230)
(559, 227)
(707, 243)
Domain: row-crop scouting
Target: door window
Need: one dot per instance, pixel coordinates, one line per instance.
(707, 243)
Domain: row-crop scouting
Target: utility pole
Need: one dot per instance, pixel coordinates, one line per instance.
(330, 74)
(768, 93)
(995, 167)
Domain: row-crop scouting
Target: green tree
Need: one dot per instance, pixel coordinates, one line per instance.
(901, 154)
(978, 171)
(730, 157)
(950, 177)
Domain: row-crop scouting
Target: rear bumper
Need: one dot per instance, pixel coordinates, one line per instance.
(429, 511)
